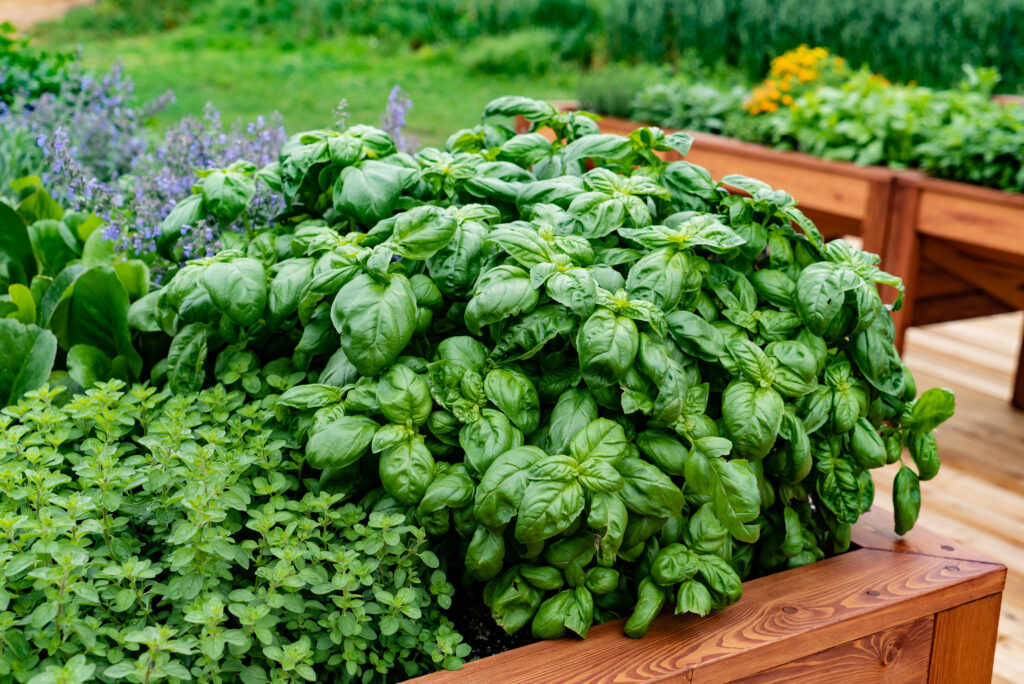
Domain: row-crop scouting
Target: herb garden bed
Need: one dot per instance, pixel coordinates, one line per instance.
(916, 608)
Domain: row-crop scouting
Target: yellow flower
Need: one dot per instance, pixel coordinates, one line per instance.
(787, 100)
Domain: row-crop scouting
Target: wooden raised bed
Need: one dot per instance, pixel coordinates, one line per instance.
(912, 609)
(960, 251)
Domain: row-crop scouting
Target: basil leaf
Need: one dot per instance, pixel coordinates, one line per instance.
(377, 320)
(341, 443)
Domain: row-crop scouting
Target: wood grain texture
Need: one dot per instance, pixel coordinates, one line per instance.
(902, 253)
(957, 653)
(875, 531)
(995, 222)
(781, 617)
(899, 655)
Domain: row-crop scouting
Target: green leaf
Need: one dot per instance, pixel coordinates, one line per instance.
(906, 499)
(574, 410)
(485, 439)
(288, 287)
(502, 487)
(377, 320)
(238, 288)
(752, 417)
(516, 396)
(226, 194)
(695, 335)
(932, 408)
(22, 298)
(186, 360)
(600, 440)
(485, 554)
(27, 353)
(502, 292)
(925, 452)
(310, 396)
(547, 509)
(88, 365)
(693, 597)
(404, 396)
(53, 244)
(98, 315)
(15, 244)
(732, 487)
(341, 443)
(188, 212)
(607, 345)
(422, 232)
(406, 470)
(647, 490)
(368, 192)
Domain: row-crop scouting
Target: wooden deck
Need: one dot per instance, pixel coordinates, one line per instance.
(978, 496)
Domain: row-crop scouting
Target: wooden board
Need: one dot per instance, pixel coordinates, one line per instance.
(995, 222)
(955, 659)
(899, 655)
(781, 618)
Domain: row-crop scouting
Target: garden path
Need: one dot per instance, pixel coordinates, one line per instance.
(25, 13)
(977, 498)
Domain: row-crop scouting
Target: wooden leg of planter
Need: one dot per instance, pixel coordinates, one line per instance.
(963, 646)
(901, 256)
(1018, 382)
(876, 224)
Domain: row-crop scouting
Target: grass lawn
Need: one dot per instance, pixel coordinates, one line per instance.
(245, 79)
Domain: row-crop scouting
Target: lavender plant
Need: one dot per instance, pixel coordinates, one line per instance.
(393, 120)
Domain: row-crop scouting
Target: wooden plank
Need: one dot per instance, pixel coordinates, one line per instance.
(835, 193)
(899, 655)
(782, 617)
(934, 280)
(875, 226)
(874, 531)
(964, 643)
(956, 307)
(970, 220)
(1004, 282)
(1018, 382)
(902, 252)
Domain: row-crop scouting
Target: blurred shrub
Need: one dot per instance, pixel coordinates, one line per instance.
(29, 73)
(611, 90)
(530, 52)
(693, 106)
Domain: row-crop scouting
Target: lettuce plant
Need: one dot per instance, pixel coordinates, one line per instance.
(596, 378)
(155, 537)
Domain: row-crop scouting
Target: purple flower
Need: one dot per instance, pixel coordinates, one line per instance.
(393, 120)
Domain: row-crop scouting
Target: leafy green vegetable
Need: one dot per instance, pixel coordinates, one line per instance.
(595, 377)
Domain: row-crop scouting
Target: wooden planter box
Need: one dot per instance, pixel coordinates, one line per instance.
(911, 609)
(960, 251)
(840, 197)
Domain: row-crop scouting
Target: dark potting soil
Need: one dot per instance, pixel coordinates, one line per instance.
(474, 622)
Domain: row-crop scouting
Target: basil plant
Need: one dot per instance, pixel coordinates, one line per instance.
(600, 381)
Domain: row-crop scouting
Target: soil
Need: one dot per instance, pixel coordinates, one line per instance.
(24, 13)
(474, 622)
